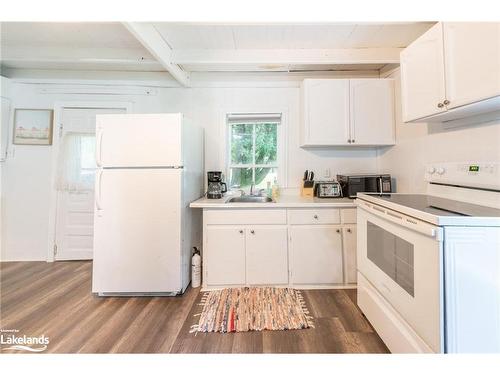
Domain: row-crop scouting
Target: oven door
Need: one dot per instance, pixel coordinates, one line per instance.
(402, 258)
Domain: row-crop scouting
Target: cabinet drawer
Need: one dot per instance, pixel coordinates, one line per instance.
(314, 216)
(348, 216)
(244, 216)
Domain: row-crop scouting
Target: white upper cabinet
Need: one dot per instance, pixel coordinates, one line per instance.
(422, 76)
(344, 112)
(452, 72)
(472, 62)
(372, 111)
(325, 111)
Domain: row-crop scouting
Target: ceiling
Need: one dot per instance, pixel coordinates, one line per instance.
(203, 47)
(291, 36)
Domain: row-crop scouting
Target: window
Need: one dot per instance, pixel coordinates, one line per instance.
(77, 162)
(253, 150)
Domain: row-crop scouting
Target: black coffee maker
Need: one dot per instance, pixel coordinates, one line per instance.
(216, 188)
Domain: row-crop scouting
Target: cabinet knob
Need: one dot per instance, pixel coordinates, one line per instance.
(440, 105)
(241, 231)
(338, 230)
(348, 230)
(252, 231)
(348, 141)
(353, 140)
(315, 216)
(446, 102)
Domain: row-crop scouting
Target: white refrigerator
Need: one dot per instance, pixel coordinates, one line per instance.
(150, 167)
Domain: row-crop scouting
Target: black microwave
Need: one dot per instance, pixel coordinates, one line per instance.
(364, 183)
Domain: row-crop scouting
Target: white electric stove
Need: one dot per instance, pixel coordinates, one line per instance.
(429, 265)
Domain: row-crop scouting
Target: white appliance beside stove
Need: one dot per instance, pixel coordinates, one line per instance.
(429, 264)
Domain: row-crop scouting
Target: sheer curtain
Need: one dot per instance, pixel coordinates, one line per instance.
(76, 164)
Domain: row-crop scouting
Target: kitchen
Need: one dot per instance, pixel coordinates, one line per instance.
(345, 180)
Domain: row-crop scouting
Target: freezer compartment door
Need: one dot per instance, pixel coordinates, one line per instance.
(137, 231)
(138, 140)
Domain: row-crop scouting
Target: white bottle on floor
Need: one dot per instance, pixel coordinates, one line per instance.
(196, 269)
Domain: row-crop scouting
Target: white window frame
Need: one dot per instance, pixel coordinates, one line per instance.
(280, 164)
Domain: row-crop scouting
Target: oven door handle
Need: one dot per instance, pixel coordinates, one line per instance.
(395, 217)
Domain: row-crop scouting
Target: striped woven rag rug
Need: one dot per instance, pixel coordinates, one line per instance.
(252, 309)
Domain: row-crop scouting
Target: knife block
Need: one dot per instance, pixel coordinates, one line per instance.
(307, 192)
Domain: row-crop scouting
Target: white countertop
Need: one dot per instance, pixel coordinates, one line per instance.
(286, 200)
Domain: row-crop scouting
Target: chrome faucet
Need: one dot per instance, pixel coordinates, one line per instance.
(252, 187)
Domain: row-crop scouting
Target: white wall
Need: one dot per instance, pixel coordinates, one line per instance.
(419, 144)
(26, 174)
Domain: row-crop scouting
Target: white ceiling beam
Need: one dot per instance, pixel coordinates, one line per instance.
(58, 57)
(152, 40)
(286, 56)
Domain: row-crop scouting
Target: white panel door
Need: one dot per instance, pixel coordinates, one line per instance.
(224, 255)
(349, 247)
(137, 231)
(472, 58)
(139, 140)
(326, 110)
(316, 254)
(372, 111)
(75, 208)
(422, 76)
(267, 255)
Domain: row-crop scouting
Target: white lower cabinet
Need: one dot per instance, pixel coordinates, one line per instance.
(267, 255)
(293, 247)
(224, 255)
(349, 247)
(316, 254)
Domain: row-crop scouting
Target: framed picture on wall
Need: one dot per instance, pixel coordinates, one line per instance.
(33, 127)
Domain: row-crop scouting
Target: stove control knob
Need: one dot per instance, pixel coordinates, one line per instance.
(440, 170)
(431, 170)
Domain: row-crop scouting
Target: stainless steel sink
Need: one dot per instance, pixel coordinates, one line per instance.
(250, 199)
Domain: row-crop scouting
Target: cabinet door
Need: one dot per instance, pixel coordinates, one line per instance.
(349, 247)
(326, 112)
(316, 254)
(422, 76)
(372, 111)
(267, 255)
(224, 255)
(472, 58)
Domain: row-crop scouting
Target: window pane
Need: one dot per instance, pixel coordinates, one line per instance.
(263, 175)
(241, 177)
(266, 137)
(241, 143)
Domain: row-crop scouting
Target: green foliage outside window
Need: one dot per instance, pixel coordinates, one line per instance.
(249, 162)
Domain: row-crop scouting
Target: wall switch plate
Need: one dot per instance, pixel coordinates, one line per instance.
(326, 173)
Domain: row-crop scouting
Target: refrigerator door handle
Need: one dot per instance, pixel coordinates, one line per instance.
(98, 152)
(98, 190)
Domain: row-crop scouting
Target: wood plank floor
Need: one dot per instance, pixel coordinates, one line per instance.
(55, 299)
